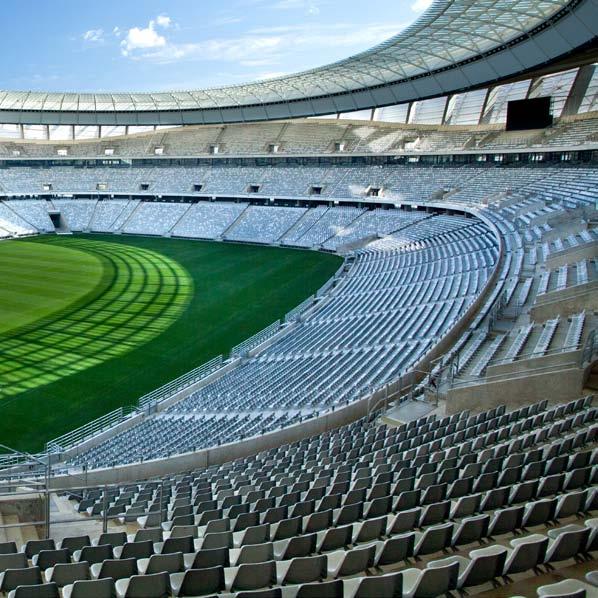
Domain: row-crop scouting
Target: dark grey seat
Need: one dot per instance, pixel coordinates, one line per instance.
(198, 582)
(45, 590)
(17, 560)
(157, 563)
(75, 542)
(8, 547)
(136, 550)
(93, 554)
(379, 586)
(328, 589)
(32, 547)
(395, 549)
(12, 578)
(156, 585)
(67, 573)
(115, 569)
(302, 570)
(205, 559)
(48, 558)
(251, 576)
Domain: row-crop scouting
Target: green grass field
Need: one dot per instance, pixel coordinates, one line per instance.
(92, 322)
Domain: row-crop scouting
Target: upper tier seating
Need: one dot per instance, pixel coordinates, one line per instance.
(308, 137)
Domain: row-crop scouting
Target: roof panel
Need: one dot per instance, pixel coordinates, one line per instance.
(450, 31)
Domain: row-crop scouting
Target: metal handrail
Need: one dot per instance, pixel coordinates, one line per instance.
(181, 383)
(257, 339)
(89, 429)
(533, 355)
(109, 420)
(296, 313)
(475, 381)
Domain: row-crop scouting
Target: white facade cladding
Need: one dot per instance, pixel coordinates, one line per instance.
(456, 46)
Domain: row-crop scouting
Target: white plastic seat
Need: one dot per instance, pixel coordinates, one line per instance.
(302, 570)
(482, 566)
(566, 542)
(381, 586)
(431, 581)
(358, 560)
(568, 588)
(433, 539)
(525, 553)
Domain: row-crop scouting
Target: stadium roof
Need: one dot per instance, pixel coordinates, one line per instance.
(454, 46)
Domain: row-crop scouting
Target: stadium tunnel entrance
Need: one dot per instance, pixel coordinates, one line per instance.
(61, 226)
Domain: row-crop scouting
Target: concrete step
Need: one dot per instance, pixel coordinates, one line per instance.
(3, 536)
(406, 412)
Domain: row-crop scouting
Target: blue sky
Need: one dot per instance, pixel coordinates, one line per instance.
(145, 45)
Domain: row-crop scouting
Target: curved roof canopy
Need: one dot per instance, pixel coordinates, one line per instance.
(454, 46)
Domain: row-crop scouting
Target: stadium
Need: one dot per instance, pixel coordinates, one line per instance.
(326, 334)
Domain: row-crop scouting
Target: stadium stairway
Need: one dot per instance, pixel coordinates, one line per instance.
(234, 223)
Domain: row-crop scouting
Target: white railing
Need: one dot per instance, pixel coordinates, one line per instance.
(147, 401)
(90, 429)
(255, 340)
(295, 314)
(181, 383)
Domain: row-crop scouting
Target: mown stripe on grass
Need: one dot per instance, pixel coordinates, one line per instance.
(142, 294)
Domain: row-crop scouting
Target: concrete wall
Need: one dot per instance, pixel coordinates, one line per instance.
(216, 455)
(26, 507)
(566, 302)
(524, 366)
(572, 255)
(560, 385)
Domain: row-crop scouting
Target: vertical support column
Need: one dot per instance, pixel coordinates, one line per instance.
(161, 502)
(446, 107)
(105, 509)
(578, 89)
(409, 110)
(484, 105)
(47, 501)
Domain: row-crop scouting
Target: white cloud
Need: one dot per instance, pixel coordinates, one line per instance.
(421, 5)
(268, 75)
(263, 47)
(163, 21)
(145, 38)
(93, 36)
(309, 7)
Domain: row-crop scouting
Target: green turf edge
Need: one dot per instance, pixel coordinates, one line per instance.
(45, 413)
(101, 286)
